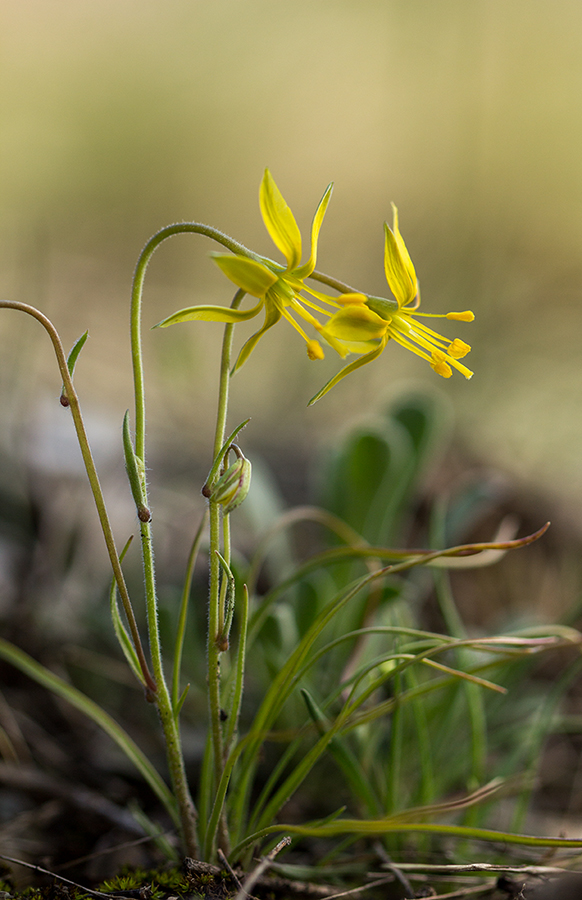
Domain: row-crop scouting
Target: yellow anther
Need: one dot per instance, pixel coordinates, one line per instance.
(439, 365)
(458, 349)
(314, 350)
(466, 316)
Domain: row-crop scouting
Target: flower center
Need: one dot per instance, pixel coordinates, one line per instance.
(383, 308)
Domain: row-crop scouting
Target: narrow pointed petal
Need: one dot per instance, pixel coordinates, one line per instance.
(280, 221)
(405, 255)
(253, 277)
(211, 314)
(355, 323)
(352, 298)
(272, 316)
(347, 370)
(305, 270)
(396, 275)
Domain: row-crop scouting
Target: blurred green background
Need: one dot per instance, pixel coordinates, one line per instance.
(120, 116)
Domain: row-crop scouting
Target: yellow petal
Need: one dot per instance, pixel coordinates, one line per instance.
(402, 246)
(253, 277)
(211, 314)
(280, 221)
(272, 316)
(347, 370)
(355, 323)
(398, 267)
(305, 270)
(352, 299)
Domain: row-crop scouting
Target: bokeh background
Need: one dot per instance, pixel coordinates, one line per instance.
(120, 116)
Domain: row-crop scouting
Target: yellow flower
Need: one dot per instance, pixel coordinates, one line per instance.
(277, 287)
(366, 324)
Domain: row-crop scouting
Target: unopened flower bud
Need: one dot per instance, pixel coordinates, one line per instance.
(233, 485)
(135, 468)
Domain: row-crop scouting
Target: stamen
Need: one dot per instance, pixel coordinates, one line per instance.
(314, 350)
(439, 365)
(404, 342)
(466, 316)
(458, 349)
(429, 340)
(297, 306)
(323, 298)
(295, 325)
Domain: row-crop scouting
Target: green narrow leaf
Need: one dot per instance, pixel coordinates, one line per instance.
(343, 756)
(71, 360)
(393, 826)
(233, 751)
(228, 612)
(93, 711)
(180, 702)
(205, 790)
(74, 353)
(154, 831)
(234, 710)
(212, 475)
(212, 314)
(119, 628)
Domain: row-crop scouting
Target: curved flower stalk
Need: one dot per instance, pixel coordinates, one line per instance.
(365, 324)
(277, 287)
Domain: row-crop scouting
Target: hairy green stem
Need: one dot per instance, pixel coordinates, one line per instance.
(214, 611)
(214, 616)
(338, 286)
(72, 401)
(136, 300)
(169, 720)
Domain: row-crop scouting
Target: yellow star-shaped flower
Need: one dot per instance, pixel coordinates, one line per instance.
(366, 324)
(277, 287)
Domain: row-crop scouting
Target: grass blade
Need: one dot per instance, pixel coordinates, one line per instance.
(92, 710)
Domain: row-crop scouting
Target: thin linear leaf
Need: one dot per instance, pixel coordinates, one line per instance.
(389, 826)
(71, 361)
(120, 631)
(177, 699)
(74, 352)
(222, 453)
(92, 710)
(345, 759)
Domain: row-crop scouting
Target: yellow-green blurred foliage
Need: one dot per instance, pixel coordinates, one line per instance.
(120, 116)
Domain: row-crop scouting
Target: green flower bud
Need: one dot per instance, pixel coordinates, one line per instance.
(233, 485)
(135, 472)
